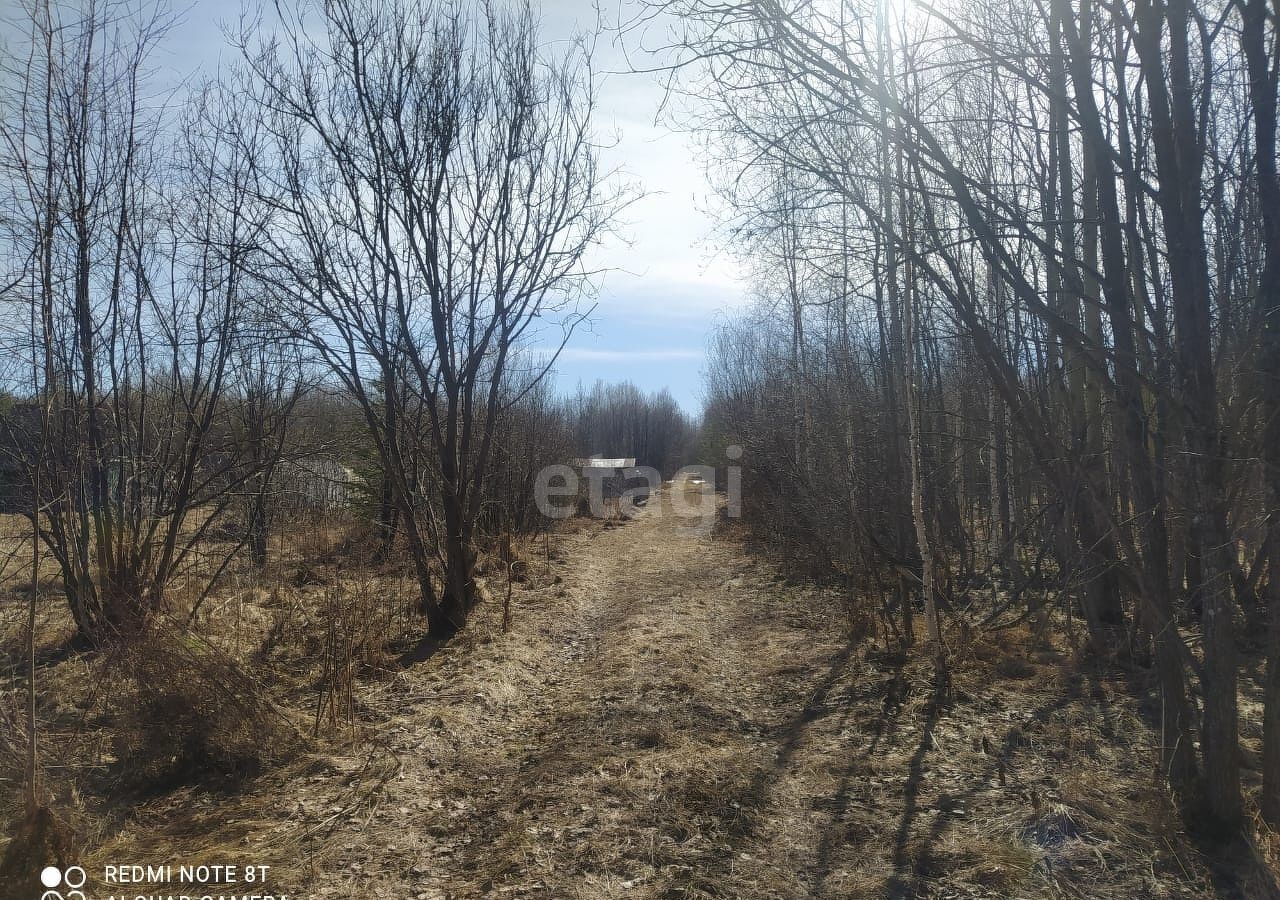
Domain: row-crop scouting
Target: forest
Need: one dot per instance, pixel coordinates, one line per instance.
(962, 579)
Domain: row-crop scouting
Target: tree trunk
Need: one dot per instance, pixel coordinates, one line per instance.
(1177, 756)
(1262, 94)
(1176, 140)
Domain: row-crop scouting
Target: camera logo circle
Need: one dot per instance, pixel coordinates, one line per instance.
(73, 879)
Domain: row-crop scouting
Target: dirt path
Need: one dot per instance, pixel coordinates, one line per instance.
(627, 738)
(672, 720)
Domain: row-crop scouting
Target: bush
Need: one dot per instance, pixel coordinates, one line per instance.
(192, 715)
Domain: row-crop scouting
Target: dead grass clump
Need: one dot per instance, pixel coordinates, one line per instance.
(1003, 648)
(1015, 667)
(287, 621)
(984, 649)
(36, 840)
(357, 633)
(13, 747)
(966, 857)
(707, 790)
(191, 715)
(306, 575)
(323, 540)
(654, 736)
(1052, 827)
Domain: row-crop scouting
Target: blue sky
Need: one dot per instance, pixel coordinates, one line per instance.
(665, 282)
(649, 332)
(668, 281)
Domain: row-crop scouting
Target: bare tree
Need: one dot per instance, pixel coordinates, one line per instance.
(1069, 199)
(137, 281)
(437, 187)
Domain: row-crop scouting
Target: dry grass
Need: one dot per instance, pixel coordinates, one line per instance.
(185, 712)
(671, 721)
(663, 719)
(169, 741)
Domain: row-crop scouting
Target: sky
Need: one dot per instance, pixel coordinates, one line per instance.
(664, 282)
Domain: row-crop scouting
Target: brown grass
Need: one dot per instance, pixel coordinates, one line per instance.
(664, 718)
(188, 713)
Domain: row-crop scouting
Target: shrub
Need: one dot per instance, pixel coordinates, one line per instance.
(192, 715)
